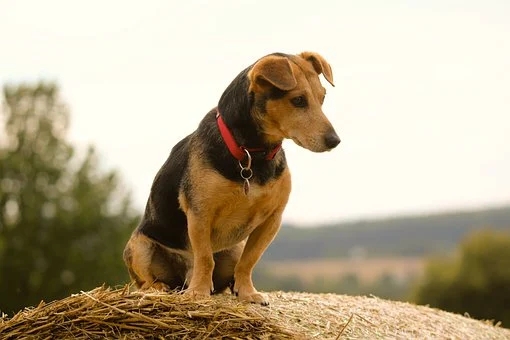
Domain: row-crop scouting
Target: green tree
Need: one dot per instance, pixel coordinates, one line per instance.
(63, 222)
(477, 281)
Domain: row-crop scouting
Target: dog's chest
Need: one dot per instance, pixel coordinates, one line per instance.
(238, 215)
(223, 210)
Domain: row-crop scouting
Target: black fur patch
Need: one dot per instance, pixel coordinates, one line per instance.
(218, 155)
(164, 221)
(273, 94)
(237, 106)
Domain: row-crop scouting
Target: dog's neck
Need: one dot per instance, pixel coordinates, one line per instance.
(240, 151)
(237, 107)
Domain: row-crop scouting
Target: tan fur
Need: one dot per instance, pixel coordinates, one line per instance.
(229, 230)
(276, 71)
(223, 216)
(138, 255)
(139, 258)
(282, 121)
(319, 64)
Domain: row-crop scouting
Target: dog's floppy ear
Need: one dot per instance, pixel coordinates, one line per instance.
(319, 64)
(274, 70)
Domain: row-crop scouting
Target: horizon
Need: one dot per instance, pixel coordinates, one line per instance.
(403, 215)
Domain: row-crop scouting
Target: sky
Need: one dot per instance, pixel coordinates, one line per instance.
(421, 102)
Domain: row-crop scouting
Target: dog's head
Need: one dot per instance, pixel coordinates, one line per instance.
(288, 98)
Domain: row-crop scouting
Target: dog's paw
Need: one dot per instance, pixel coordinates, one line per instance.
(160, 286)
(198, 294)
(246, 292)
(256, 297)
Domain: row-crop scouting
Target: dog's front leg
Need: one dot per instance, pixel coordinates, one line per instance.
(199, 230)
(257, 243)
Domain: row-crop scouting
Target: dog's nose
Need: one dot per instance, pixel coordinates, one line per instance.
(331, 140)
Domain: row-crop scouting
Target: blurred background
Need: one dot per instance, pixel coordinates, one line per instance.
(414, 205)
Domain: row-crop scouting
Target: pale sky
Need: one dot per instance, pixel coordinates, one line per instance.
(422, 96)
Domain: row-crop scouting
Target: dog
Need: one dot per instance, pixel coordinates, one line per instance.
(217, 202)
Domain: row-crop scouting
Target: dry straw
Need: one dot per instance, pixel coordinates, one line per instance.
(121, 314)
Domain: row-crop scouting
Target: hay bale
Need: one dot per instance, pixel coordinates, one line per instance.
(119, 313)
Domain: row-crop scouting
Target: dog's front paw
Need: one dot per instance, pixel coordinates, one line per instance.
(250, 294)
(256, 297)
(198, 293)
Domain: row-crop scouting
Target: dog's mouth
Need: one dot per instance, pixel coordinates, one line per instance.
(306, 146)
(311, 145)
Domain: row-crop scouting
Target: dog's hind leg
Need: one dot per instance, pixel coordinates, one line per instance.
(152, 265)
(169, 268)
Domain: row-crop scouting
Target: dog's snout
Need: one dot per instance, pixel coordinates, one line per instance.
(331, 139)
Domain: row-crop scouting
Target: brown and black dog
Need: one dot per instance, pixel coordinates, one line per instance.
(217, 202)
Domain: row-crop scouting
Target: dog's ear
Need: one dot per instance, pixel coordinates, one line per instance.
(274, 70)
(319, 64)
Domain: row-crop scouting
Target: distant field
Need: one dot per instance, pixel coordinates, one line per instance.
(367, 270)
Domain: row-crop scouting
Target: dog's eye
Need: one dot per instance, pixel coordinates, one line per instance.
(299, 101)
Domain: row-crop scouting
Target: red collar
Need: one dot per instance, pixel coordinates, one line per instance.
(239, 151)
